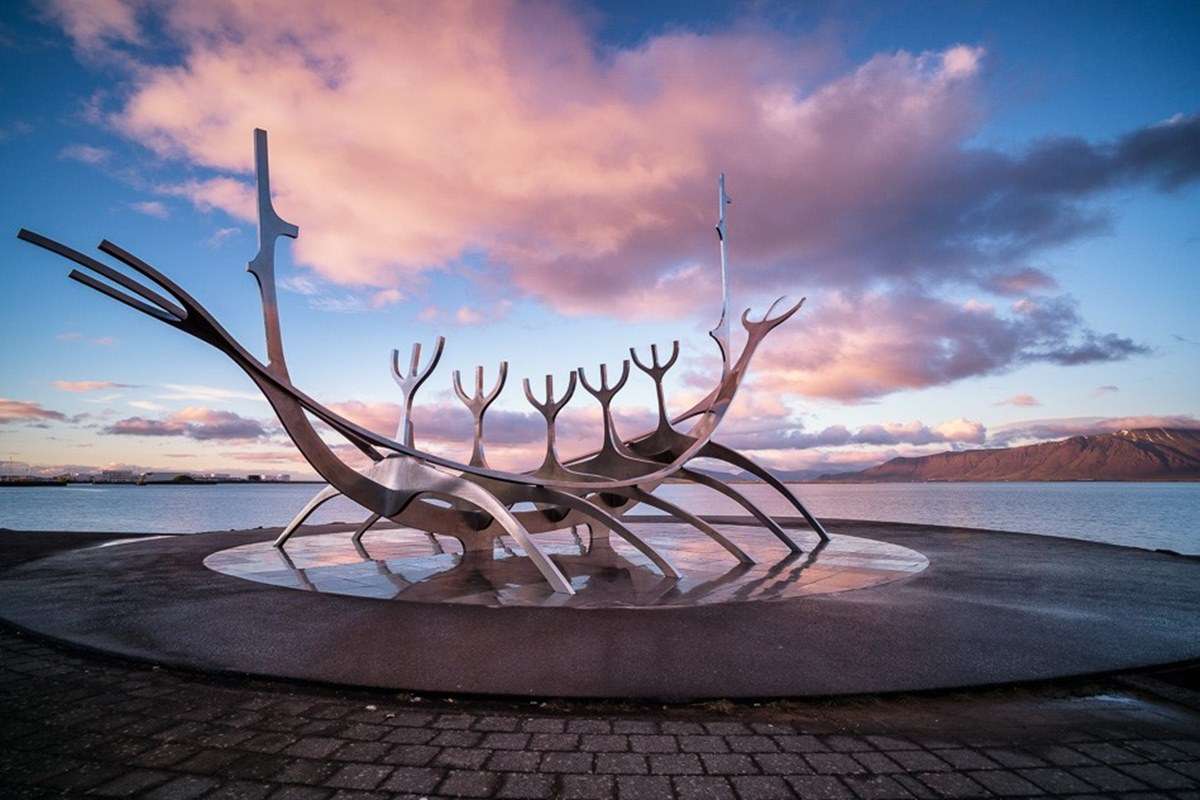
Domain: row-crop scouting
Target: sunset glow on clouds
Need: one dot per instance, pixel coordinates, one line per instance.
(480, 167)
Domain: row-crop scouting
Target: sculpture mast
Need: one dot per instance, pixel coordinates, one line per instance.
(270, 228)
(720, 334)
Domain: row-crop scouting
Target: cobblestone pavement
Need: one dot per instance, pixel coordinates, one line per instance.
(75, 724)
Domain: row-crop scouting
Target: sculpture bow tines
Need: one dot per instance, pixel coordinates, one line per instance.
(473, 502)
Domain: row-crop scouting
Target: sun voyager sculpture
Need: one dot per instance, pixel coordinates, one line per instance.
(474, 502)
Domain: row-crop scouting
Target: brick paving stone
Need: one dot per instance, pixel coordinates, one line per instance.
(313, 747)
(524, 786)
(621, 763)
(877, 763)
(678, 728)
(644, 787)
(589, 726)
(300, 793)
(453, 721)
(833, 764)
(554, 741)
(241, 790)
(456, 738)
(800, 744)
(653, 744)
(468, 783)
(962, 758)
(1005, 783)
(603, 743)
(131, 783)
(675, 764)
(728, 764)
(414, 755)
(1108, 753)
(782, 764)
(877, 787)
(1107, 779)
(566, 762)
(514, 761)
(891, 743)
(695, 787)
(953, 784)
(1013, 759)
(819, 787)
(359, 776)
(1062, 756)
(362, 751)
(702, 744)
(505, 741)
(751, 744)
(1159, 751)
(762, 787)
(412, 780)
(586, 787)
(469, 758)
(498, 724)
(309, 771)
(918, 761)
(1056, 780)
(635, 726)
(544, 725)
(1158, 776)
(726, 728)
(917, 789)
(846, 744)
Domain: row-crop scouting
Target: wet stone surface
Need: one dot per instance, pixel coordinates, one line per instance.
(408, 565)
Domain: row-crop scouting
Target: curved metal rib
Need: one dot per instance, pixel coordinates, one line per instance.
(319, 499)
(718, 485)
(730, 456)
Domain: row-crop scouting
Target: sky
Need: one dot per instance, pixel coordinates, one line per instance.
(992, 209)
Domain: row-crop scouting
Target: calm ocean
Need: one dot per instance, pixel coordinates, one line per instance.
(1150, 515)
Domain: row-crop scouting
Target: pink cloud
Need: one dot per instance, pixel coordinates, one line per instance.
(194, 422)
(1037, 429)
(26, 411)
(1024, 400)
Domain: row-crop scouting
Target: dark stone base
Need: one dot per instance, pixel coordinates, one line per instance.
(991, 608)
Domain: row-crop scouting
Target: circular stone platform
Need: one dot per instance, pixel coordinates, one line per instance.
(412, 566)
(956, 608)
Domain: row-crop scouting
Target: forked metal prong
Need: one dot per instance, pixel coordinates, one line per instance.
(656, 369)
(410, 382)
(604, 394)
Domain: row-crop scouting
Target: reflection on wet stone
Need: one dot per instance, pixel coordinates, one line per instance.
(412, 566)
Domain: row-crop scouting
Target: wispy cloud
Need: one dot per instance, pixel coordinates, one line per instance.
(201, 393)
(151, 208)
(85, 153)
(90, 386)
(220, 236)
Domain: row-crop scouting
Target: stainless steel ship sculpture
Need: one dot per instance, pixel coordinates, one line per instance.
(473, 502)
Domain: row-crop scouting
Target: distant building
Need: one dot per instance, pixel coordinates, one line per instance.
(116, 476)
(254, 478)
(165, 477)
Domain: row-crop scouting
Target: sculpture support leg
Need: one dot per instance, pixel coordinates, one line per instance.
(741, 499)
(318, 500)
(731, 456)
(454, 488)
(642, 496)
(610, 523)
(366, 526)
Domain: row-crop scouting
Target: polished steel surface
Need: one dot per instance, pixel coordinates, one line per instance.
(475, 502)
(398, 564)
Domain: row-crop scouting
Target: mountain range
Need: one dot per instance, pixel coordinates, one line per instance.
(1145, 454)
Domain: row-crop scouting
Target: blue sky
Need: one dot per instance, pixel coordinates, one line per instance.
(536, 183)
